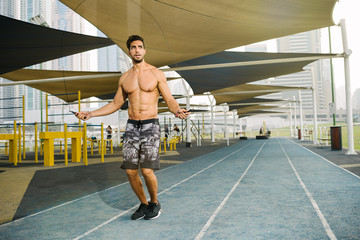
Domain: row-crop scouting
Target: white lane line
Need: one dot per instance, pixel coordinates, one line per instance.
(89, 195)
(222, 204)
(61, 205)
(312, 200)
(326, 159)
(122, 213)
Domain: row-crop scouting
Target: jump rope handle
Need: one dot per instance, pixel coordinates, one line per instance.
(75, 113)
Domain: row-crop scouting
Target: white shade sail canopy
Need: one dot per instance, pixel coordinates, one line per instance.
(175, 31)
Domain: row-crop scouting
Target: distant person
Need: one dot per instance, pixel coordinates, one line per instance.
(176, 129)
(109, 133)
(261, 131)
(166, 130)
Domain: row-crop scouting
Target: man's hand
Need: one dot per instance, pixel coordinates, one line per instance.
(83, 115)
(182, 113)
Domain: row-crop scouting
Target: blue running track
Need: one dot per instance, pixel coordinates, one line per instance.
(255, 189)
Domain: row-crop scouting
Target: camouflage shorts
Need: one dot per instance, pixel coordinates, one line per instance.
(141, 144)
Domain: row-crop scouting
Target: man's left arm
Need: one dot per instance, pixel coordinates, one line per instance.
(168, 97)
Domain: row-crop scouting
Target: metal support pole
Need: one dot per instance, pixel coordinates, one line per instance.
(332, 78)
(62, 117)
(119, 133)
(198, 143)
(212, 117)
(41, 112)
(79, 109)
(234, 118)
(295, 132)
(46, 112)
(85, 159)
(182, 127)
(65, 144)
(102, 143)
(314, 93)
(19, 144)
(188, 123)
(301, 117)
(23, 127)
(203, 125)
(225, 131)
(240, 123)
(350, 130)
(15, 147)
(36, 142)
(291, 123)
(212, 124)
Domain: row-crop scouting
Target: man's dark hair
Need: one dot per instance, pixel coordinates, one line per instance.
(134, 38)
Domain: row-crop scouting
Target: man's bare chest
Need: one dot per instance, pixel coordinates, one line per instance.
(143, 82)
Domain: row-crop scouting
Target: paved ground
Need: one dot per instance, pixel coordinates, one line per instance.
(31, 187)
(351, 163)
(253, 189)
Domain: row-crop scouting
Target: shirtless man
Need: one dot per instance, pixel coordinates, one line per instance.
(142, 85)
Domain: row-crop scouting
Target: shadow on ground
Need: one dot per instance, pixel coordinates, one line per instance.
(52, 187)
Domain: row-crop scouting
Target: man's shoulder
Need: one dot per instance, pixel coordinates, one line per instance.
(153, 69)
(124, 76)
(157, 72)
(125, 73)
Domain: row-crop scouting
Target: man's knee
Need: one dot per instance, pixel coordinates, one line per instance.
(131, 173)
(147, 172)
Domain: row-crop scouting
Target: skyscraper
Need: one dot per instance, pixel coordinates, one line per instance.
(57, 16)
(307, 42)
(7, 9)
(112, 58)
(11, 106)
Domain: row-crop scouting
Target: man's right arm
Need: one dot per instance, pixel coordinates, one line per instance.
(169, 99)
(109, 108)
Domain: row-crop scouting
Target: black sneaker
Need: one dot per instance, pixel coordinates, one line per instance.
(153, 212)
(140, 212)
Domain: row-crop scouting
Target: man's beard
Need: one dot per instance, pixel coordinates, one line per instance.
(137, 61)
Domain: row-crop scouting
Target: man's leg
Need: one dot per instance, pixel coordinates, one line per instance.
(151, 183)
(136, 184)
(154, 209)
(149, 160)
